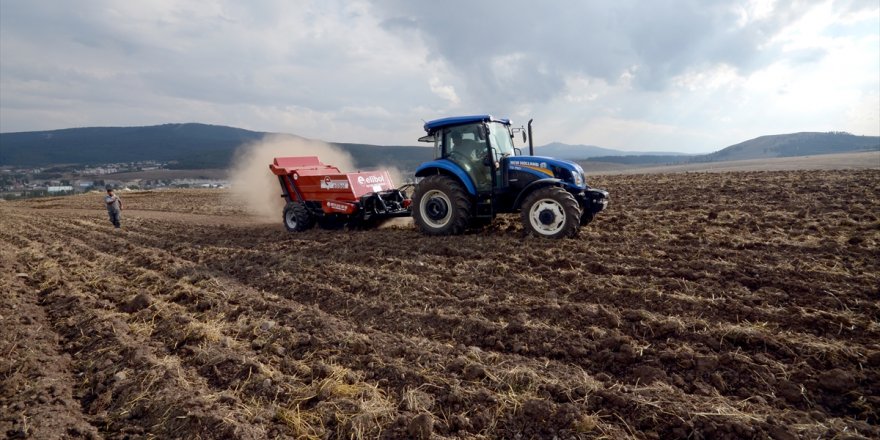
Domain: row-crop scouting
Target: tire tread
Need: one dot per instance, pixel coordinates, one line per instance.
(569, 205)
(461, 210)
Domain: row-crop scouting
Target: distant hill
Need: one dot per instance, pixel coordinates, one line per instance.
(794, 144)
(644, 159)
(199, 146)
(184, 142)
(578, 152)
(191, 145)
(572, 152)
(764, 147)
(375, 156)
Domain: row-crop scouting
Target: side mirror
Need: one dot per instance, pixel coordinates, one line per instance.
(524, 136)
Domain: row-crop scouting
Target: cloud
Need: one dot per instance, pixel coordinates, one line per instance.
(444, 91)
(515, 50)
(370, 71)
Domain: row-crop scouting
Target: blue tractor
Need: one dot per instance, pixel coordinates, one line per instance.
(477, 172)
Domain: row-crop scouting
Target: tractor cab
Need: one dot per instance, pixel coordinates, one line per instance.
(476, 144)
(483, 174)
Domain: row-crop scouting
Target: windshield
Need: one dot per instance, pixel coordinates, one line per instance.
(501, 139)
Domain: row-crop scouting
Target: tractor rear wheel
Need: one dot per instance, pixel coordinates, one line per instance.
(441, 206)
(551, 212)
(297, 217)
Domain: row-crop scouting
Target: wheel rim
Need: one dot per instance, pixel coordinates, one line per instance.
(547, 217)
(435, 206)
(290, 219)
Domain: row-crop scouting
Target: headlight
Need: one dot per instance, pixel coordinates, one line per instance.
(577, 178)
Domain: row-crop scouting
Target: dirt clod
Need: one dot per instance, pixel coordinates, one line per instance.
(874, 359)
(474, 371)
(647, 374)
(837, 380)
(421, 426)
(139, 302)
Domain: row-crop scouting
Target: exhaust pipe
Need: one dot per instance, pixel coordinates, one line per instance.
(531, 144)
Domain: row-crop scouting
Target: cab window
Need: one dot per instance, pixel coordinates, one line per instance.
(466, 146)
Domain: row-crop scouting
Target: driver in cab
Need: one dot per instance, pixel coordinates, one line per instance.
(473, 152)
(468, 146)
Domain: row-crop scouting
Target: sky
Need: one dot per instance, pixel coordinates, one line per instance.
(688, 76)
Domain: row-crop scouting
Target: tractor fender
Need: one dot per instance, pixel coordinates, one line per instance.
(448, 168)
(538, 184)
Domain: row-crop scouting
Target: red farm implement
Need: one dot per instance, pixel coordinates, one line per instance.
(322, 194)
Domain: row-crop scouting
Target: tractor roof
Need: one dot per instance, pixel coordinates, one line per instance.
(436, 124)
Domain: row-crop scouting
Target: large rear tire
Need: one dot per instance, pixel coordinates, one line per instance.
(551, 212)
(297, 217)
(441, 206)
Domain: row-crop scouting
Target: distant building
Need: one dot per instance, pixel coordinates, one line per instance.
(58, 189)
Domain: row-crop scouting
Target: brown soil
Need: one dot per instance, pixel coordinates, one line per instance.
(724, 305)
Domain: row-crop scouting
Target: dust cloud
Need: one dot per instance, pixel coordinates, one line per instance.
(399, 179)
(253, 184)
(397, 223)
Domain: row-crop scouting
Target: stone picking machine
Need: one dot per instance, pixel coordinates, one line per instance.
(476, 173)
(322, 194)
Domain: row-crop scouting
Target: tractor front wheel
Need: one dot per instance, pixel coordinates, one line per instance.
(297, 217)
(441, 206)
(551, 212)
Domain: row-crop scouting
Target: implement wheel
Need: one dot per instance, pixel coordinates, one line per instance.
(297, 217)
(441, 206)
(551, 212)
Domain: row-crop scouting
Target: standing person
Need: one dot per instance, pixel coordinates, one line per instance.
(114, 206)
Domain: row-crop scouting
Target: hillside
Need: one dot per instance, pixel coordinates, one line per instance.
(200, 146)
(192, 146)
(795, 144)
(764, 147)
(196, 143)
(860, 160)
(572, 152)
(577, 152)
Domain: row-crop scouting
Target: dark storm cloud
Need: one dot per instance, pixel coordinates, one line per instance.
(657, 40)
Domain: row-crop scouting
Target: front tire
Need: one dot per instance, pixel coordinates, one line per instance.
(441, 206)
(551, 212)
(297, 217)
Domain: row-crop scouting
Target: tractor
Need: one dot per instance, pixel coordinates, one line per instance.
(477, 173)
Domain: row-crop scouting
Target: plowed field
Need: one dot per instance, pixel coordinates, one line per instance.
(728, 305)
